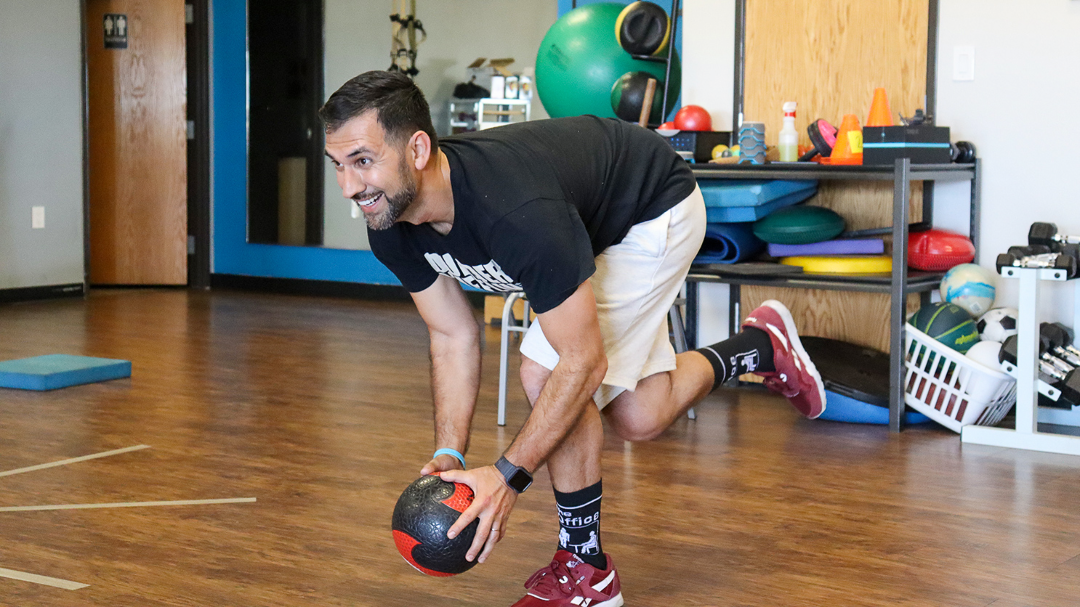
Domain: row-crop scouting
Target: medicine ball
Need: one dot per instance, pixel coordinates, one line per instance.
(947, 323)
(643, 28)
(628, 94)
(424, 513)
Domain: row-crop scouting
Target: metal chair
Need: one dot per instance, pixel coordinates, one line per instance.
(510, 324)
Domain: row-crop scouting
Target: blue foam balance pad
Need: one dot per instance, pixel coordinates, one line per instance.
(843, 408)
(54, 371)
(732, 201)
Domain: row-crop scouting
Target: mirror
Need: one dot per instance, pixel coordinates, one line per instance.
(285, 181)
(296, 47)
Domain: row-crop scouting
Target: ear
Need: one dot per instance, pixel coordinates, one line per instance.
(419, 150)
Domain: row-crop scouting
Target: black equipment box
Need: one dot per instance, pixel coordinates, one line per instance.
(923, 144)
(698, 145)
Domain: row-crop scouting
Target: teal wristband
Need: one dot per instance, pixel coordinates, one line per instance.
(460, 457)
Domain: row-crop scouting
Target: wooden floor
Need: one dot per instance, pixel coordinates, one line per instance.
(320, 409)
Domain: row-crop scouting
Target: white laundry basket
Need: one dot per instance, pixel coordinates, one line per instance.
(950, 388)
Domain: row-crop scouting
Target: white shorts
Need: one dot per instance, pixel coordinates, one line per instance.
(635, 284)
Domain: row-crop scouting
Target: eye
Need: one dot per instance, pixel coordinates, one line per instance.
(362, 161)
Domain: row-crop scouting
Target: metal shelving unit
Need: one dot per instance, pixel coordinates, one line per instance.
(898, 285)
(479, 114)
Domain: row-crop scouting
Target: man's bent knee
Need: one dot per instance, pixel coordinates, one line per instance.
(632, 423)
(533, 377)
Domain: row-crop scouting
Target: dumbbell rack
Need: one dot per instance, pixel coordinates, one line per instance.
(1027, 435)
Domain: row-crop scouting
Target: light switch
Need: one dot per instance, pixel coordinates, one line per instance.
(37, 219)
(963, 63)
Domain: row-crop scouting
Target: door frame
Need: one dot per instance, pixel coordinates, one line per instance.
(198, 115)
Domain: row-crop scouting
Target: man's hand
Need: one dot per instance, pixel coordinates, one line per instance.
(492, 504)
(441, 463)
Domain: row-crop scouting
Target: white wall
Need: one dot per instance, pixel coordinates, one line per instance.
(41, 142)
(459, 31)
(1021, 114)
(708, 58)
(708, 80)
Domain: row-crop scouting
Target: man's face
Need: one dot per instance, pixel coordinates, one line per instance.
(371, 170)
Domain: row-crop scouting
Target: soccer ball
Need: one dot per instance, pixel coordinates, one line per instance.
(997, 324)
(970, 286)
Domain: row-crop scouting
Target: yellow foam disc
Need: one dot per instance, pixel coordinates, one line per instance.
(841, 264)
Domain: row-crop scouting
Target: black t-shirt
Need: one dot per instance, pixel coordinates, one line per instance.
(535, 202)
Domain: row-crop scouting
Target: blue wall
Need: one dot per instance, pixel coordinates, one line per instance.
(232, 253)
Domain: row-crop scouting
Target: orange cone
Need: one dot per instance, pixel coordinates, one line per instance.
(880, 114)
(848, 148)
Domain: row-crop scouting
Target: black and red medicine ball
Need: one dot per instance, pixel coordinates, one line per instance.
(424, 513)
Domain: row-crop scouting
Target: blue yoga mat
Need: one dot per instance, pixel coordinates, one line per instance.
(729, 243)
(54, 371)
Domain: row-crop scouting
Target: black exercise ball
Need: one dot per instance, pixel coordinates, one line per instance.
(424, 513)
(643, 28)
(628, 94)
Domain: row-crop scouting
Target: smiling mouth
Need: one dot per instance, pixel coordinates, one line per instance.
(368, 202)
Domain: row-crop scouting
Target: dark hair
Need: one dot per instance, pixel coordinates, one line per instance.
(400, 105)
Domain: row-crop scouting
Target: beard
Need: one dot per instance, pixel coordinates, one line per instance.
(396, 203)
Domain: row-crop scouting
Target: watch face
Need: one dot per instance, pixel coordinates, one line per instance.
(520, 481)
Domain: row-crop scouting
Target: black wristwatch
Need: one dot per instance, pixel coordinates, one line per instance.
(517, 478)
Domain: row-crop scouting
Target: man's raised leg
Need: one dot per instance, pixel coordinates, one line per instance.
(768, 346)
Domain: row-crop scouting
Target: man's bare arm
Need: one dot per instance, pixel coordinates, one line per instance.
(455, 365)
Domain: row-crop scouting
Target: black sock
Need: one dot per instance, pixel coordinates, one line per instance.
(744, 353)
(579, 524)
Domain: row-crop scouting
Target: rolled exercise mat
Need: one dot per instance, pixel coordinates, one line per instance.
(856, 381)
(848, 264)
(728, 243)
(803, 224)
(844, 246)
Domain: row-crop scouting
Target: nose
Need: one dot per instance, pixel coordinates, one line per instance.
(350, 182)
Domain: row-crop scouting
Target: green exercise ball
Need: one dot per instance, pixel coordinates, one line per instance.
(580, 60)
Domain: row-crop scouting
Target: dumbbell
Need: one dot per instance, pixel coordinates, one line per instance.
(1029, 251)
(1046, 234)
(1051, 336)
(1059, 261)
(1065, 377)
(1069, 354)
(962, 152)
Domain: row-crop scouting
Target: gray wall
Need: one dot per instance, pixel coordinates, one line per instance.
(41, 142)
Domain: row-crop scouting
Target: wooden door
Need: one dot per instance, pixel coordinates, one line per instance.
(137, 142)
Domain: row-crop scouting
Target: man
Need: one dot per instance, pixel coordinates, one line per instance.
(597, 221)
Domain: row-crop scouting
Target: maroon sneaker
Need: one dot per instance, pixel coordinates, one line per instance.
(570, 582)
(796, 378)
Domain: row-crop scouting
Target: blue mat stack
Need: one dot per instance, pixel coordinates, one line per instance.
(54, 371)
(731, 208)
